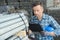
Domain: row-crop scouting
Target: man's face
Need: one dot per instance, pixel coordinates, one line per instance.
(38, 10)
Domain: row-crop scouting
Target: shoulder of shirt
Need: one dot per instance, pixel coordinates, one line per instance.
(46, 16)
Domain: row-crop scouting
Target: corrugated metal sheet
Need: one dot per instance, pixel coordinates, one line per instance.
(11, 24)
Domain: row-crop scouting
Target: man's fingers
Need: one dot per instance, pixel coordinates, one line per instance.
(52, 33)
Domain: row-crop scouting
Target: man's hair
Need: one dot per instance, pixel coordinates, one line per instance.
(37, 3)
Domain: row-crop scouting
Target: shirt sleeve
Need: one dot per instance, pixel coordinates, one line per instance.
(33, 20)
(55, 25)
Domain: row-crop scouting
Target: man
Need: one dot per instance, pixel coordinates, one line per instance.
(44, 20)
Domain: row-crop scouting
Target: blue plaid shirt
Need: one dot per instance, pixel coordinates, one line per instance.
(46, 20)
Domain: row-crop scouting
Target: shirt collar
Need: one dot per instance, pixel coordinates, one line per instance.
(42, 16)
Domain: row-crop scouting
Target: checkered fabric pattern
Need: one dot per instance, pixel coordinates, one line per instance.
(46, 20)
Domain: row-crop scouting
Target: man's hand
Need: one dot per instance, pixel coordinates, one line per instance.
(52, 33)
(48, 33)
